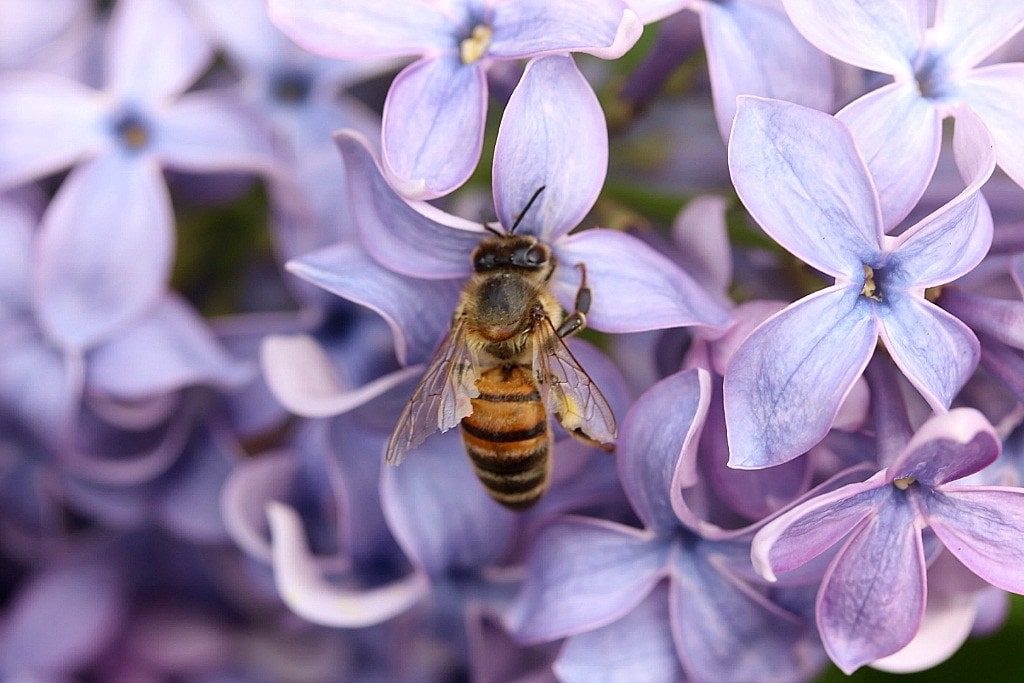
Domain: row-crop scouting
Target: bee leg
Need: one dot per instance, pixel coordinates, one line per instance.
(577, 320)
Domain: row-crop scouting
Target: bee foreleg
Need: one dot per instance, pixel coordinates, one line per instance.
(577, 320)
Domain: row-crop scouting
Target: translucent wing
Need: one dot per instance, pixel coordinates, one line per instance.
(442, 398)
(567, 389)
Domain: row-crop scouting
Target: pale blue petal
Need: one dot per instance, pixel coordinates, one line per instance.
(947, 447)
(47, 123)
(984, 528)
(637, 647)
(801, 177)
(872, 598)
(563, 149)
(935, 351)
(153, 51)
(105, 249)
(433, 127)
(528, 28)
(412, 238)
(360, 29)
(786, 383)
(754, 49)
(418, 311)
(583, 574)
(1001, 319)
(994, 93)
(647, 291)
(899, 134)
(880, 35)
(967, 32)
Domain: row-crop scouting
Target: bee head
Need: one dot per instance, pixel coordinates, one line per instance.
(511, 251)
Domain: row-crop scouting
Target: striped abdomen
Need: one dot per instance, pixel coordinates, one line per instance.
(507, 436)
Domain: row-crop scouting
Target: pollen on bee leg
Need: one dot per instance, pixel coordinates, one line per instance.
(903, 483)
(474, 47)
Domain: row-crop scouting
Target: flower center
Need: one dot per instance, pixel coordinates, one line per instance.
(903, 483)
(871, 288)
(291, 87)
(932, 77)
(131, 130)
(475, 46)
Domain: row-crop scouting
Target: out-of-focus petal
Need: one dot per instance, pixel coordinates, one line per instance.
(528, 28)
(879, 36)
(364, 28)
(984, 528)
(637, 647)
(800, 175)
(433, 126)
(935, 351)
(948, 447)
(806, 531)
(17, 227)
(439, 512)
(413, 238)
(418, 311)
(786, 383)
(583, 574)
(306, 591)
(644, 292)
(168, 349)
(948, 618)
(46, 123)
(872, 598)
(899, 134)
(244, 497)
(302, 377)
(1001, 319)
(753, 49)
(562, 148)
(210, 131)
(658, 445)
(651, 11)
(967, 32)
(153, 50)
(994, 93)
(700, 231)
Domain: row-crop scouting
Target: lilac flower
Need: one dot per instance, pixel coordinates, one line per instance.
(434, 115)
(873, 595)
(898, 127)
(50, 37)
(801, 177)
(602, 583)
(107, 240)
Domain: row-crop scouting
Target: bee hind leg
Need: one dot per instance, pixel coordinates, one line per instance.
(577, 320)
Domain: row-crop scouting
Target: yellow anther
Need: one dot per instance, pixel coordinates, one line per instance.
(870, 289)
(903, 483)
(474, 47)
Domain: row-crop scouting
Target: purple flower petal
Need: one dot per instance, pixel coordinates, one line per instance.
(966, 32)
(1000, 319)
(359, 29)
(302, 377)
(17, 227)
(880, 36)
(947, 447)
(153, 51)
(935, 351)
(105, 249)
(412, 238)
(418, 311)
(637, 647)
(786, 383)
(658, 444)
(984, 528)
(530, 28)
(872, 598)
(244, 497)
(801, 177)
(796, 537)
(47, 123)
(563, 149)
(583, 574)
(305, 590)
(899, 134)
(210, 131)
(645, 292)
(947, 622)
(700, 231)
(433, 127)
(889, 410)
(754, 49)
(439, 512)
(993, 92)
(168, 349)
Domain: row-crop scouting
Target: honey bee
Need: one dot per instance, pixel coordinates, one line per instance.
(503, 366)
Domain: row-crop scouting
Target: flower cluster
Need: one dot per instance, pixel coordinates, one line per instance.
(253, 250)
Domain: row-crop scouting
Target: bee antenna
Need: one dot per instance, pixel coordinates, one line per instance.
(519, 218)
(490, 228)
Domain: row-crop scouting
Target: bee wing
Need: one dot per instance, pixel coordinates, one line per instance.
(442, 398)
(567, 389)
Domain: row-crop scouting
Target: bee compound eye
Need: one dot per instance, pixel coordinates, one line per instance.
(483, 261)
(536, 255)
